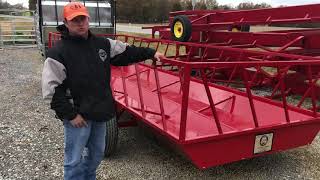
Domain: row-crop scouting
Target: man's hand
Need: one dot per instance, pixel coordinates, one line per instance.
(78, 122)
(158, 56)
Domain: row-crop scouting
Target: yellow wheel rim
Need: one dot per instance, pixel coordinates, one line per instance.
(235, 29)
(178, 29)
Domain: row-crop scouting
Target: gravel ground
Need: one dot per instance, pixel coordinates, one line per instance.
(31, 140)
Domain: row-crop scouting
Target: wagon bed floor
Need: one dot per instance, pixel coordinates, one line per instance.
(200, 121)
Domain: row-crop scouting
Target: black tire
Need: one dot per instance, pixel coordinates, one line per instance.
(242, 28)
(111, 137)
(186, 30)
(245, 28)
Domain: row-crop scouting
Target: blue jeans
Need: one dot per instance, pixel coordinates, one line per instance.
(77, 164)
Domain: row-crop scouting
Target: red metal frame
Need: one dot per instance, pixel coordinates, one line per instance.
(208, 120)
(212, 20)
(245, 55)
(206, 29)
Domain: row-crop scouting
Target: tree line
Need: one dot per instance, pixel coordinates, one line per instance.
(157, 11)
(6, 5)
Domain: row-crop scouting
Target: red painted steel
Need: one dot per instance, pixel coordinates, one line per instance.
(216, 123)
(212, 20)
(206, 29)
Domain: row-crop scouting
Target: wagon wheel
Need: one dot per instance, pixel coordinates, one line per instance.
(181, 28)
(111, 137)
(240, 28)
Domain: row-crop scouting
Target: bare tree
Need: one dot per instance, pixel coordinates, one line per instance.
(225, 7)
(212, 4)
(176, 6)
(4, 5)
(262, 5)
(250, 5)
(187, 4)
(201, 5)
(18, 6)
(246, 5)
(32, 4)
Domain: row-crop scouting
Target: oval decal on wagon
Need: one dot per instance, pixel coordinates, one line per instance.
(263, 143)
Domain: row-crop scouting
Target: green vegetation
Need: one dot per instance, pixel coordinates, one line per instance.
(4, 19)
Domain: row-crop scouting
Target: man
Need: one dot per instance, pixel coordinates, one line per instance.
(76, 78)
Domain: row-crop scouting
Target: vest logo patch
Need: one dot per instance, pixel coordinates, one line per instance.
(102, 54)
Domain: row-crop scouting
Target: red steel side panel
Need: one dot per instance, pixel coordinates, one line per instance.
(225, 150)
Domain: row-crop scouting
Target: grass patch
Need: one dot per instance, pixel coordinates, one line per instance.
(4, 19)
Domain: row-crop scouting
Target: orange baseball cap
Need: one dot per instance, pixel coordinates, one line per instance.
(74, 9)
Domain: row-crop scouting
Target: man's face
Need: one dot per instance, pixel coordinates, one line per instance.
(78, 26)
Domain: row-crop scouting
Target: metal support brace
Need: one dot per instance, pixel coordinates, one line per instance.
(1, 41)
(13, 25)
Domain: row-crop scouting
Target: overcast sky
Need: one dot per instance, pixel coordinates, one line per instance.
(273, 3)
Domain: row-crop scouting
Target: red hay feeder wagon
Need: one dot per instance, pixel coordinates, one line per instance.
(214, 122)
